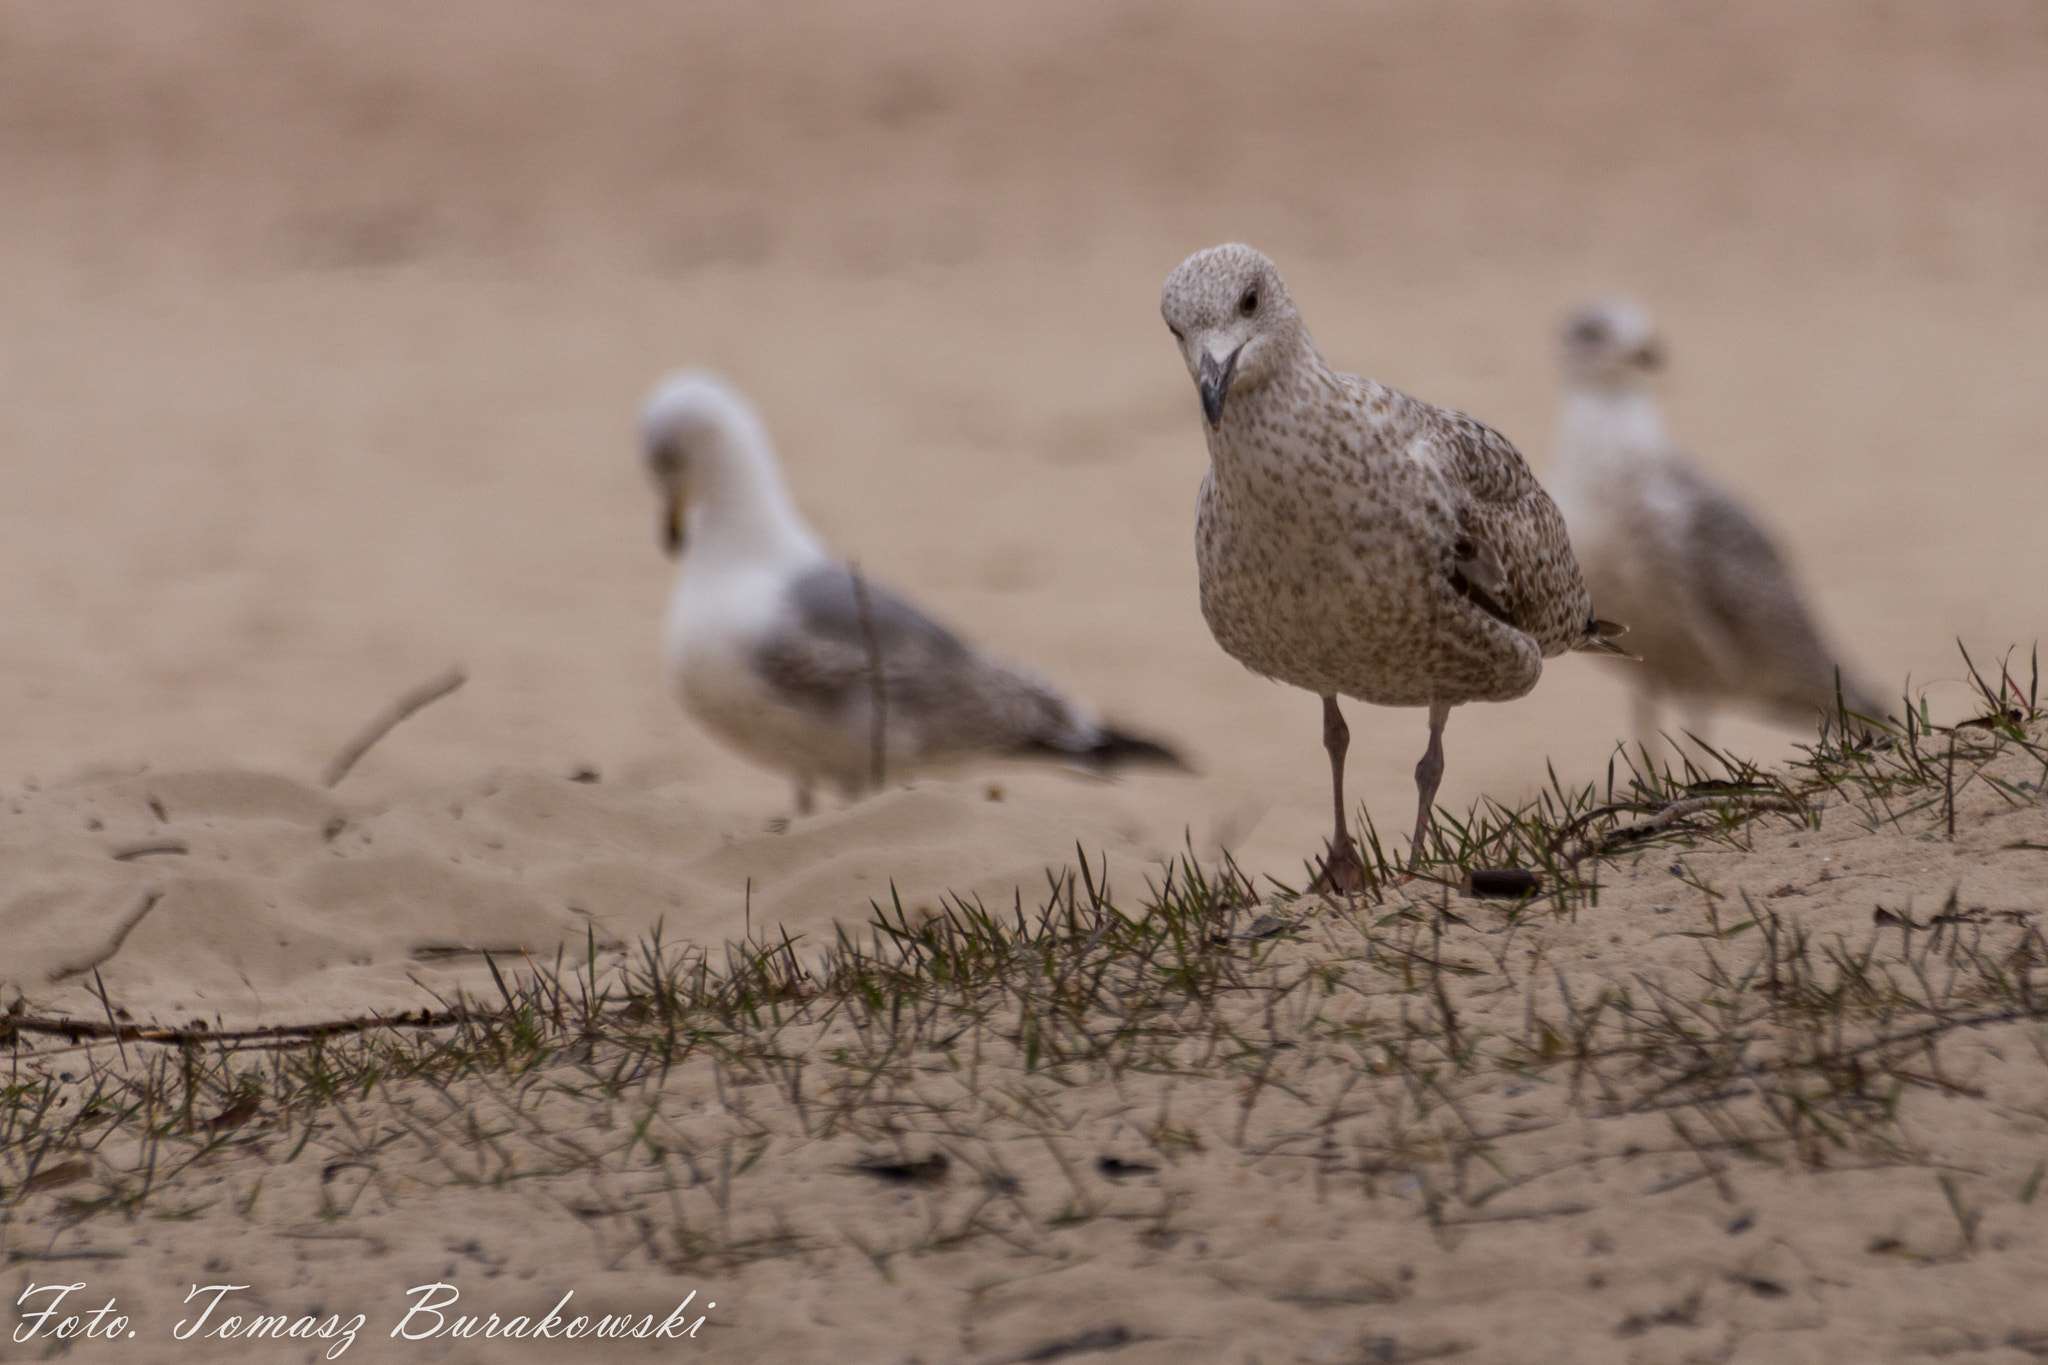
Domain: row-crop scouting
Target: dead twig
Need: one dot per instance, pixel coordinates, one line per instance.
(92, 960)
(74, 1030)
(128, 853)
(878, 692)
(1592, 845)
(425, 694)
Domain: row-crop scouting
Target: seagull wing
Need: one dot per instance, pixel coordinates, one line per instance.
(1512, 556)
(824, 651)
(1746, 600)
(940, 695)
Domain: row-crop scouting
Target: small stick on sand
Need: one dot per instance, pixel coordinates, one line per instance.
(130, 852)
(64, 971)
(425, 694)
(12, 1027)
(1593, 845)
(879, 694)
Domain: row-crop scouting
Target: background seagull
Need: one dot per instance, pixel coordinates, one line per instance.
(1718, 614)
(800, 666)
(1358, 542)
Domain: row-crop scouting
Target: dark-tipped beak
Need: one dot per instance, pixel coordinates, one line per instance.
(672, 526)
(1213, 380)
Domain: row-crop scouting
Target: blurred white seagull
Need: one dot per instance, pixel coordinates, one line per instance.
(796, 662)
(1718, 615)
(1357, 542)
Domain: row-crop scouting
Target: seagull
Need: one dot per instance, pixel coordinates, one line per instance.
(1357, 542)
(800, 664)
(1720, 617)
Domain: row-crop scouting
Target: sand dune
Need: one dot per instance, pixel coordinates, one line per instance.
(273, 903)
(1342, 1188)
(269, 902)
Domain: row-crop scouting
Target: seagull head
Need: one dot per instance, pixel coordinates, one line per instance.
(1231, 315)
(691, 420)
(1610, 342)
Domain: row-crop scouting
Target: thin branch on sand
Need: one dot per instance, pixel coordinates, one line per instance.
(878, 735)
(77, 1030)
(113, 941)
(424, 695)
(1661, 820)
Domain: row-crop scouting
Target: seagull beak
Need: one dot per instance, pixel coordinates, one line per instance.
(1213, 378)
(1650, 355)
(677, 504)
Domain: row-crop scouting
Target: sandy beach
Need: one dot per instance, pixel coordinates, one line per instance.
(322, 335)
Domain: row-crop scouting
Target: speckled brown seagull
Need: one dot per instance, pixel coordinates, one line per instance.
(1357, 542)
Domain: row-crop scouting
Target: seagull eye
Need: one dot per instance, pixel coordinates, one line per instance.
(1249, 304)
(1178, 334)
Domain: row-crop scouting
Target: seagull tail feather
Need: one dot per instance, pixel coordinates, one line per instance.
(1114, 747)
(1108, 748)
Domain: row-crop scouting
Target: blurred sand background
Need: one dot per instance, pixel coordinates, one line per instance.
(322, 331)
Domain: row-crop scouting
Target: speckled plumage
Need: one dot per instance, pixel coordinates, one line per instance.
(1721, 617)
(1352, 540)
(770, 645)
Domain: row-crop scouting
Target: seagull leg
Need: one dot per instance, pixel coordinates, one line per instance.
(804, 790)
(1343, 870)
(1428, 773)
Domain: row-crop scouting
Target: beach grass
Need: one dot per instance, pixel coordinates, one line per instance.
(1405, 1043)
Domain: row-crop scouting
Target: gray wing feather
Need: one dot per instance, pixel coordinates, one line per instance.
(829, 610)
(1752, 601)
(1519, 557)
(938, 692)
